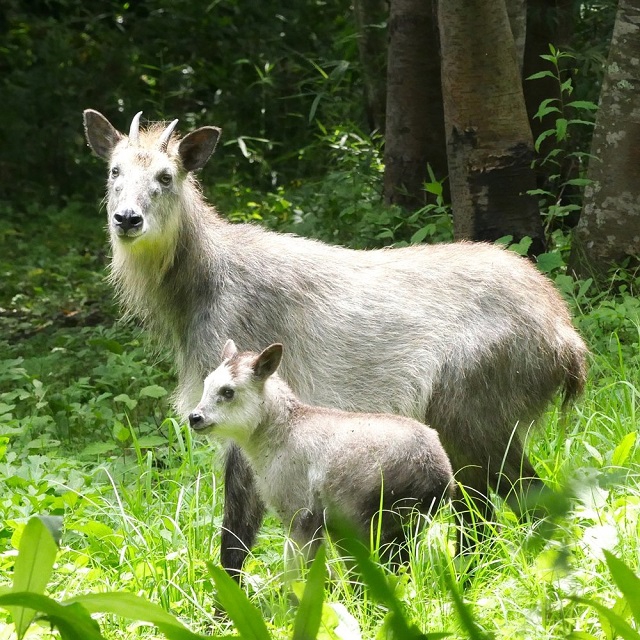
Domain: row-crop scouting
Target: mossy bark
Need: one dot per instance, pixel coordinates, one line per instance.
(609, 227)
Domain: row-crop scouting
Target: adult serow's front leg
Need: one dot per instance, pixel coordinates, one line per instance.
(243, 513)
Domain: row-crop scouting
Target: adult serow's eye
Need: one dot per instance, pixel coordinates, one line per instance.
(165, 178)
(227, 393)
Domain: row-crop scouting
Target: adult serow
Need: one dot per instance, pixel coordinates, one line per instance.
(467, 337)
(315, 464)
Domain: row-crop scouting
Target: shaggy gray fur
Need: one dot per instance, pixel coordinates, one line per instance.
(467, 337)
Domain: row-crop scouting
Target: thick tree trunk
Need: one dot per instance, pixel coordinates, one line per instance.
(415, 119)
(609, 228)
(517, 11)
(489, 143)
(370, 16)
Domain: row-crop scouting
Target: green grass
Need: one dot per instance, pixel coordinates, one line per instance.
(86, 432)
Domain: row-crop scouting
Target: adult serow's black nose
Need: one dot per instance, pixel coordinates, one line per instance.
(128, 219)
(195, 419)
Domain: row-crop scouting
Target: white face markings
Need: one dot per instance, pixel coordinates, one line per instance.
(143, 182)
(231, 401)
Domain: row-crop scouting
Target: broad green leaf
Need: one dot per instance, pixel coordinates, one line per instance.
(542, 137)
(73, 621)
(583, 104)
(133, 607)
(561, 129)
(309, 615)
(120, 432)
(620, 608)
(153, 391)
(125, 399)
(54, 526)
(420, 235)
(98, 448)
(246, 618)
(621, 626)
(110, 345)
(622, 452)
(149, 442)
(588, 123)
(546, 110)
(33, 566)
(627, 581)
(541, 74)
(579, 182)
(547, 262)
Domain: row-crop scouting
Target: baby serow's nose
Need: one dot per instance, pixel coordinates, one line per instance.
(195, 419)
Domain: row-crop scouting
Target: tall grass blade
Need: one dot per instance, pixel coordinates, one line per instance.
(396, 624)
(246, 618)
(464, 611)
(309, 616)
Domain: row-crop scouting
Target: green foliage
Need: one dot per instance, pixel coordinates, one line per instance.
(265, 74)
(71, 617)
(344, 206)
(614, 619)
(564, 161)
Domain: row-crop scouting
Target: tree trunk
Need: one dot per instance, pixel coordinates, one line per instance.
(370, 16)
(415, 119)
(609, 227)
(489, 143)
(517, 12)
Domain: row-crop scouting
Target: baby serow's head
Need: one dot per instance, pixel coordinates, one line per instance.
(233, 396)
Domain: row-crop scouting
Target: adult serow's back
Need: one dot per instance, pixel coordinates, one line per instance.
(467, 337)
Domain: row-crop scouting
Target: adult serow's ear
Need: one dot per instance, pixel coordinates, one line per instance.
(267, 362)
(101, 135)
(196, 147)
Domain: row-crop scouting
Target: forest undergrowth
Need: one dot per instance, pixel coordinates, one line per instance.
(87, 433)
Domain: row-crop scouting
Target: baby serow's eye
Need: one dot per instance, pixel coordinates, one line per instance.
(115, 172)
(227, 393)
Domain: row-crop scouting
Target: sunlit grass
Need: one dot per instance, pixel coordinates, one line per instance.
(84, 434)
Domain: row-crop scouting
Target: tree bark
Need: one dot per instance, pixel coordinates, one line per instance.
(609, 227)
(370, 16)
(489, 143)
(415, 118)
(517, 12)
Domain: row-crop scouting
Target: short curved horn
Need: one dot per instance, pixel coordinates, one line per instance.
(134, 131)
(166, 134)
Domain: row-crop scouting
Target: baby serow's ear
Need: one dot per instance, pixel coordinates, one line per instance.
(229, 350)
(267, 362)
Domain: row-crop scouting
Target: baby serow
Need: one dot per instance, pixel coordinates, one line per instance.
(315, 464)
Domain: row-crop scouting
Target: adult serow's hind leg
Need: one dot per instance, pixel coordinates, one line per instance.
(511, 477)
(243, 513)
